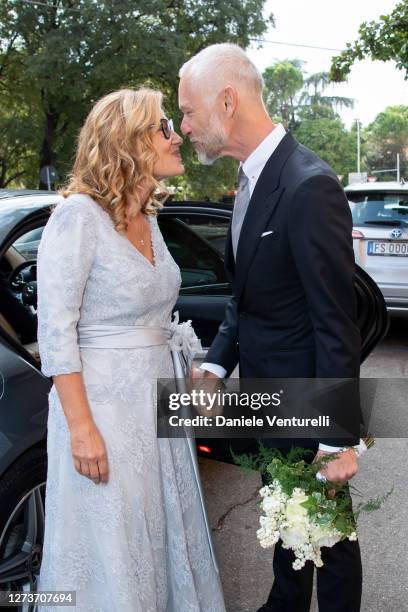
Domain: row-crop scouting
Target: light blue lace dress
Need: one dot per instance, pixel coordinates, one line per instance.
(137, 544)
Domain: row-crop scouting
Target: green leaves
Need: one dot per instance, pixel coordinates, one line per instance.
(328, 137)
(58, 59)
(386, 136)
(291, 471)
(385, 39)
(300, 104)
(283, 81)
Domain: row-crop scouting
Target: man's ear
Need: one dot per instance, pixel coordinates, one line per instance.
(230, 100)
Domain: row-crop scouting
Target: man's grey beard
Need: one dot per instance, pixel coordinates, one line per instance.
(205, 159)
(212, 146)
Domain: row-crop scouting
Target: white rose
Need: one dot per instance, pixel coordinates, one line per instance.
(295, 535)
(294, 510)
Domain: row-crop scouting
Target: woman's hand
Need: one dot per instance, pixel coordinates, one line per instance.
(89, 452)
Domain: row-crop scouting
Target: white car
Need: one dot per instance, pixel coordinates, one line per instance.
(380, 237)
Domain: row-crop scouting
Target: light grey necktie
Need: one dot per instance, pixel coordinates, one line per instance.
(240, 207)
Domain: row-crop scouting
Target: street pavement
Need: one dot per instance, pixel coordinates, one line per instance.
(231, 495)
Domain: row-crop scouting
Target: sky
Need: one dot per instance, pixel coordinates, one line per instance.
(330, 23)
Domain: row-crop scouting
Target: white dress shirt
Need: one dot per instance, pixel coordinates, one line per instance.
(255, 163)
(252, 167)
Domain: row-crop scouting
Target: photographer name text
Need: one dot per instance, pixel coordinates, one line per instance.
(253, 421)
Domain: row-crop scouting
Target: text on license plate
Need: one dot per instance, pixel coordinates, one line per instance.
(375, 247)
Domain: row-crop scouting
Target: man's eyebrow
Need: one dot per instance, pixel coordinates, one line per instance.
(184, 107)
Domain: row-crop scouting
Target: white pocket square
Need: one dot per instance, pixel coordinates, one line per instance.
(266, 233)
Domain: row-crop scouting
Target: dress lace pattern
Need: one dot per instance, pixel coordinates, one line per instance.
(138, 543)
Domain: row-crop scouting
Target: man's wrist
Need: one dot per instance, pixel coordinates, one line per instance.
(214, 368)
(327, 448)
(359, 449)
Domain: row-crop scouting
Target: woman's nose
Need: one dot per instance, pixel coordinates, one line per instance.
(176, 139)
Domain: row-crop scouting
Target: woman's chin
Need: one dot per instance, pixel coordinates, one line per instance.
(178, 169)
(175, 171)
(181, 169)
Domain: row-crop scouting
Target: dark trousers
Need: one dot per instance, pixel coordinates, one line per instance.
(339, 581)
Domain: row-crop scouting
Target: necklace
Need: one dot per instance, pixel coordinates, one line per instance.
(140, 228)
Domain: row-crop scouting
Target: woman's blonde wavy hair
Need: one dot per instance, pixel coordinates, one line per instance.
(115, 156)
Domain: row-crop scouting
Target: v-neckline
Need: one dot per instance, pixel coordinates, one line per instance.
(153, 264)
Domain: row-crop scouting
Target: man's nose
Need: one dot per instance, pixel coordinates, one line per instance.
(184, 127)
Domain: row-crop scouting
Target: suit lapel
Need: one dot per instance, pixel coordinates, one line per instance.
(264, 199)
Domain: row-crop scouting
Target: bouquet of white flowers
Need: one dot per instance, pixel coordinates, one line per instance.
(305, 512)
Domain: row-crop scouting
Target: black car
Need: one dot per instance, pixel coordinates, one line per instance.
(195, 234)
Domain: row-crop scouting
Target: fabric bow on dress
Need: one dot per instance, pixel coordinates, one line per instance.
(184, 339)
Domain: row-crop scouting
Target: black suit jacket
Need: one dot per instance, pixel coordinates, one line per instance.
(293, 312)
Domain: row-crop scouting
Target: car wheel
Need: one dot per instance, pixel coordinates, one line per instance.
(22, 493)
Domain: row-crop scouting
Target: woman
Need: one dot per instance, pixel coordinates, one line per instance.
(124, 525)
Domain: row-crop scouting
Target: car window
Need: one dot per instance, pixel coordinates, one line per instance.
(27, 244)
(200, 263)
(18, 315)
(369, 207)
(213, 229)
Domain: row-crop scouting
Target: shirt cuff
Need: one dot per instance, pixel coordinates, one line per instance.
(331, 449)
(214, 368)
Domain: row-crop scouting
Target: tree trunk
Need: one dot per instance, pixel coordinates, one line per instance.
(47, 155)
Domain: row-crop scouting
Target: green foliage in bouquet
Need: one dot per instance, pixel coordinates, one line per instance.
(327, 503)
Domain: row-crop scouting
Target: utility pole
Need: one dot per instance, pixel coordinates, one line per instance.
(398, 169)
(358, 145)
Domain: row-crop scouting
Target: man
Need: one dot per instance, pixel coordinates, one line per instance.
(290, 261)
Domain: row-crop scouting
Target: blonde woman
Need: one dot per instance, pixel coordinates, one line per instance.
(124, 525)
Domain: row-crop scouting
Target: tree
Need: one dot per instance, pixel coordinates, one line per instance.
(291, 96)
(283, 81)
(207, 182)
(385, 39)
(69, 53)
(19, 124)
(331, 141)
(313, 101)
(386, 136)
(299, 102)
(18, 155)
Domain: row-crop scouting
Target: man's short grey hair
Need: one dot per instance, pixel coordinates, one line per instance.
(217, 65)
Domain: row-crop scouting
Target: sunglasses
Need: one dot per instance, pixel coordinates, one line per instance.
(166, 126)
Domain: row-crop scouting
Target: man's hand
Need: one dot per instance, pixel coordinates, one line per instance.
(198, 373)
(208, 383)
(341, 469)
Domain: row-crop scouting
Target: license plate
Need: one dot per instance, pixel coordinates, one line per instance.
(395, 249)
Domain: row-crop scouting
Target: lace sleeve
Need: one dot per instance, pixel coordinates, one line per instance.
(65, 258)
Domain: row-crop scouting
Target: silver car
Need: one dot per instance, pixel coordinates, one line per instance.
(380, 238)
